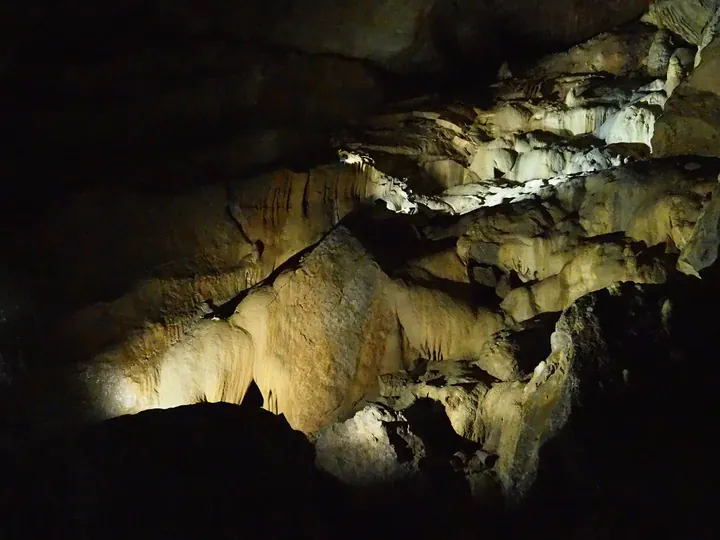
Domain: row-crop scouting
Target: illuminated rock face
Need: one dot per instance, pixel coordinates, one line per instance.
(690, 124)
(687, 19)
(580, 240)
(322, 333)
(503, 225)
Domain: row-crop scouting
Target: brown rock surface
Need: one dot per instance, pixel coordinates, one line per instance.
(322, 333)
(379, 330)
(690, 123)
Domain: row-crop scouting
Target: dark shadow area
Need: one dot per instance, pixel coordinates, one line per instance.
(211, 471)
(531, 341)
(428, 419)
(202, 471)
(392, 239)
(636, 458)
(46, 399)
(471, 293)
(253, 396)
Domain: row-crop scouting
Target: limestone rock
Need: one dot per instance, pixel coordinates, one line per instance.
(561, 161)
(233, 87)
(659, 56)
(443, 265)
(594, 267)
(553, 118)
(546, 243)
(287, 212)
(381, 448)
(634, 123)
(363, 450)
(491, 162)
(457, 386)
(680, 66)
(531, 240)
(664, 210)
(193, 251)
(583, 367)
(321, 333)
(536, 189)
(620, 53)
(189, 250)
(686, 18)
(447, 173)
(540, 129)
(513, 353)
(701, 250)
(692, 115)
(437, 326)
(520, 418)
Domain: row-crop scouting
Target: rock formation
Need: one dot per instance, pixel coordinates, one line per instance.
(441, 288)
(689, 126)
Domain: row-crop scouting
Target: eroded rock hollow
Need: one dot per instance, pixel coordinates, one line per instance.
(459, 252)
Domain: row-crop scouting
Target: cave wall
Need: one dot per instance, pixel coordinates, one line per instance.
(455, 257)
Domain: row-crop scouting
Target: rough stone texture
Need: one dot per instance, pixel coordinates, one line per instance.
(510, 420)
(547, 125)
(522, 417)
(361, 451)
(356, 324)
(171, 91)
(443, 265)
(661, 210)
(322, 333)
(701, 250)
(381, 449)
(594, 267)
(564, 247)
(427, 317)
(635, 122)
(458, 386)
(437, 326)
(686, 18)
(202, 249)
(195, 251)
(512, 354)
(189, 248)
(619, 53)
(692, 116)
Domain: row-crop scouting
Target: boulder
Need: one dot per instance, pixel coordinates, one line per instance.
(408, 453)
(376, 446)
